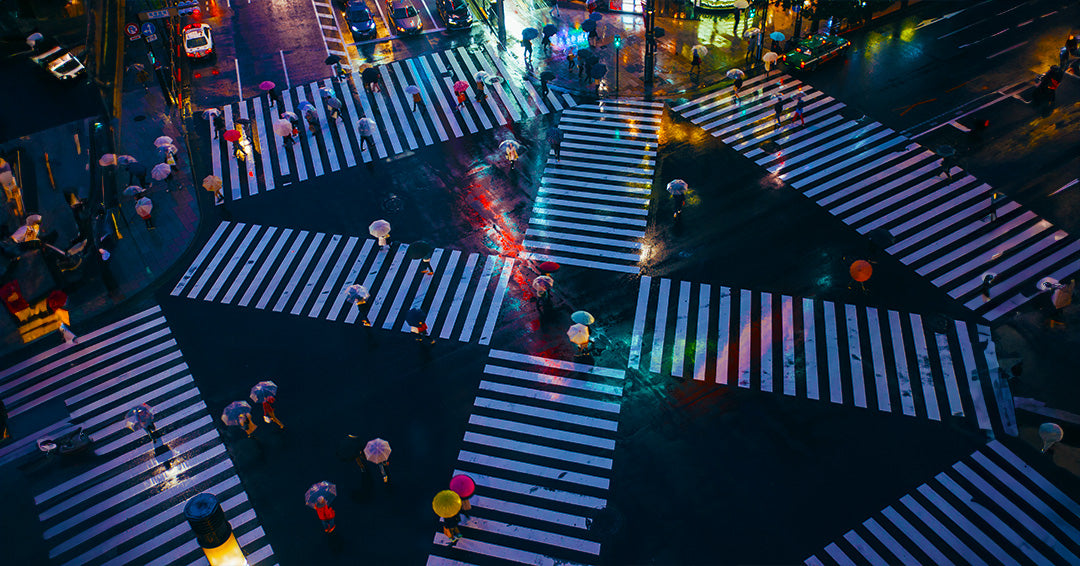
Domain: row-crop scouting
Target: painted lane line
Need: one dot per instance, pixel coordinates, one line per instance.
(922, 359)
(542, 413)
(787, 323)
(877, 355)
(328, 287)
(681, 320)
(490, 266)
(810, 350)
(656, 354)
(832, 353)
(967, 358)
(298, 273)
(497, 301)
(701, 343)
(858, 385)
(723, 325)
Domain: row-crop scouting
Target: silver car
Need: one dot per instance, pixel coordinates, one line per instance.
(406, 18)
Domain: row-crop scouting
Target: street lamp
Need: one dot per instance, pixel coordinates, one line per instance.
(213, 531)
(618, 46)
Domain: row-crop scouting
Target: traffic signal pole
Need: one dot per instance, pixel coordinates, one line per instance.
(650, 41)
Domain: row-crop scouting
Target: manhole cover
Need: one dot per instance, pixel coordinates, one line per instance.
(392, 203)
(140, 118)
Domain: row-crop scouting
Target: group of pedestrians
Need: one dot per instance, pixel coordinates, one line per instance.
(778, 109)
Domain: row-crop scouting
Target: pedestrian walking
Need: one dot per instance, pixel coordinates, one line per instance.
(526, 44)
(695, 63)
(273, 97)
(946, 167)
(555, 137)
(545, 44)
(738, 15)
(994, 196)
(219, 124)
(984, 289)
(679, 200)
(481, 95)
(247, 424)
(417, 100)
(269, 415)
(451, 527)
(333, 106)
(462, 98)
(1071, 45)
(326, 514)
(799, 109)
(144, 207)
(571, 58)
(778, 109)
(366, 128)
(425, 266)
(737, 84)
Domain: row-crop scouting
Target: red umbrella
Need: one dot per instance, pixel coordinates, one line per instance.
(56, 300)
(548, 267)
(861, 270)
(461, 86)
(231, 135)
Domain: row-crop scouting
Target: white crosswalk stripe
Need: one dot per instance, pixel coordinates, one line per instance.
(539, 445)
(990, 508)
(128, 507)
(335, 146)
(950, 229)
(848, 354)
(592, 206)
(463, 298)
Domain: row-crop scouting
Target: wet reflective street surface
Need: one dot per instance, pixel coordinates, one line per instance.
(798, 360)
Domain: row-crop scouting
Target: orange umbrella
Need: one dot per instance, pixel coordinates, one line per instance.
(861, 270)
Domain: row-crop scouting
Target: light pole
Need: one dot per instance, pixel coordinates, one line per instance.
(618, 46)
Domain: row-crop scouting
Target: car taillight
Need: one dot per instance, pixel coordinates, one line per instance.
(803, 64)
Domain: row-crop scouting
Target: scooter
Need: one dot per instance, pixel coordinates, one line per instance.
(68, 441)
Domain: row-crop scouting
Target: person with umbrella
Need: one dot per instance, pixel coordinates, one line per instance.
(144, 208)
(579, 335)
(307, 109)
(799, 109)
(358, 295)
(736, 84)
(238, 413)
(545, 76)
(366, 128)
(423, 250)
(415, 319)
(778, 109)
(219, 122)
(555, 137)
(510, 150)
(480, 77)
(447, 505)
(272, 94)
(370, 77)
(142, 418)
(460, 88)
(677, 188)
(571, 58)
(381, 230)
(545, 42)
(417, 99)
(333, 105)
(213, 184)
(319, 497)
(526, 45)
(696, 53)
(377, 452)
(265, 393)
(542, 285)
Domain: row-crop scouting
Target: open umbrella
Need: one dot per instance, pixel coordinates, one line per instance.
(770, 57)
(379, 228)
(548, 267)
(324, 489)
(262, 390)
(589, 26)
(267, 85)
(166, 150)
(777, 36)
(446, 503)
(143, 207)
(365, 126)
(578, 334)
(750, 33)
(125, 160)
(304, 107)
(231, 135)
(415, 317)
(162, 140)
(861, 270)
(595, 17)
(133, 190)
(543, 284)
(547, 76)
(34, 38)
(370, 74)
(463, 485)
(33, 219)
(332, 59)
(160, 172)
(461, 86)
(480, 76)
(233, 411)
(139, 418)
(598, 71)
(700, 50)
(333, 102)
(412, 89)
(289, 116)
(509, 145)
(421, 250)
(550, 30)
(283, 128)
(356, 292)
(377, 451)
(529, 34)
(1050, 434)
(741, 4)
(677, 187)
(107, 160)
(735, 74)
(209, 113)
(583, 317)
(211, 183)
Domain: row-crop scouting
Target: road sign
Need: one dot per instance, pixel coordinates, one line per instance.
(132, 29)
(148, 29)
(156, 14)
(151, 37)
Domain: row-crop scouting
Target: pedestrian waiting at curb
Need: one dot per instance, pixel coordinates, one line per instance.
(326, 514)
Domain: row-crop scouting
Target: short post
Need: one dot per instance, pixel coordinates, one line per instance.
(212, 531)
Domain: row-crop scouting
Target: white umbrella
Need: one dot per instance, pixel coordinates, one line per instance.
(480, 76)
(1050, 434)
(133, 190)
(167, 148)
(735, 74)
(700, 50)
(34, 38)
(211, 183)
(677, 187)
(325, 91)
(365, 126)
(579, 334)
(33, 219)
(750, 33)
(107, 160)
(356, 292)
(377, 451)
(209, 113)
(543, 284)
(289, 115)
(163, 140)
(282, 128)
(379, 228)
(508, 145)
(770, 57)
(143, 207)
(161, 171)
(412, 89)
(741, 4)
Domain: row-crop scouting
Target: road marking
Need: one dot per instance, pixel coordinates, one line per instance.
(285, 69)
(1067, 185)
(1006, 50)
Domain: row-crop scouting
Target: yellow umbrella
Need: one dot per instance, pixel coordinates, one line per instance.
(446, 503)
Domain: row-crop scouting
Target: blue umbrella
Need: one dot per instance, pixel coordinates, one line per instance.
(777, 36)
(595, 16)
(415, 317)
(529, 34)
(232, 413)
(589, 25)
(550, 30)
(598, 71)
(323, 489)
(262, 390)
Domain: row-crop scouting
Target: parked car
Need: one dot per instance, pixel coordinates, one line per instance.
(455, 13)
(358, 17)
(198, 41)
(58, 61)
(405, 17)
(813, 51)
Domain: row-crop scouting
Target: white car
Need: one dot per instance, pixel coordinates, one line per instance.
(57, 60)
(198, 41)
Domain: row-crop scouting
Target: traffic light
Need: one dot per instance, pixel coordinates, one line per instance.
(618, 41)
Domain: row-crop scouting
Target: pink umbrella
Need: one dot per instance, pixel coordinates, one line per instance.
(462, 485)
(461, 86)
(267, 85)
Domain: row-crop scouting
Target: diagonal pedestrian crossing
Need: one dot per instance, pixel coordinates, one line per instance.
(592, 206)
(989, 508)
(336, 145)
(307, 274)
(127, 508)
(539, 445)
(852, 355)
(951, 229)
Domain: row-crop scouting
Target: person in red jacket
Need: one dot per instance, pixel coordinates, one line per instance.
(326, 514)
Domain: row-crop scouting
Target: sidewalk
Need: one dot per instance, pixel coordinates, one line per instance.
(138, 256)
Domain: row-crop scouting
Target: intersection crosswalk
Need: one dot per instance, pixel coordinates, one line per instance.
(952, 229)
(990, 508)
(591, 209)
(128, 507)
(337, 145)
(306, 274)
(539, 445)
(848, 354)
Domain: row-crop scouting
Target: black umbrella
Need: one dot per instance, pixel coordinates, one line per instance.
(585, 55)
(415, 317)
(588, 25)
(370, 74)
(595, 17)
(243, 121)
(598, 71)
(420, 250)
(547, 76)
(136, 169)
(332, 59)
(550, 30)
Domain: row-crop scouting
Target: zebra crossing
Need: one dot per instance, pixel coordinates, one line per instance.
(539, 444)
(305, 273)
(591, 209)
(848, 354)
(951, 229)
(989, 508)
(128, 508)
(337, 145)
